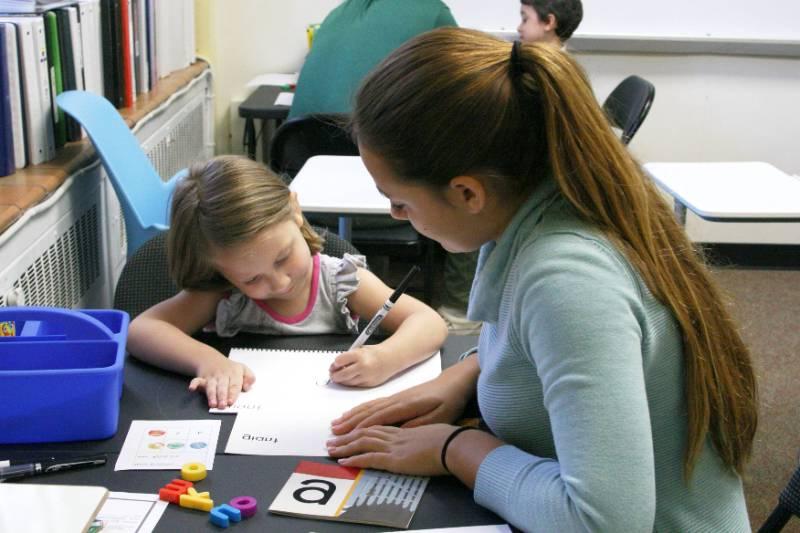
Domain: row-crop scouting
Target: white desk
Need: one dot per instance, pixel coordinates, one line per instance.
(338, 184)
(731, 191)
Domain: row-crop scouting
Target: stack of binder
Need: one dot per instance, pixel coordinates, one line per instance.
(114, 48)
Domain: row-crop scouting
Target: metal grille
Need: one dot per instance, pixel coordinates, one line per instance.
(47, 282)
(182, 144)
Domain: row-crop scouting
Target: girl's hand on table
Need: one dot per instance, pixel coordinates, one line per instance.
(223, 381)
(364, 366)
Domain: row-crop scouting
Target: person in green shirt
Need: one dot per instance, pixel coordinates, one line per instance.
(351, 40)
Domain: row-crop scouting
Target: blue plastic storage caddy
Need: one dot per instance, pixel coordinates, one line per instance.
(61, 375)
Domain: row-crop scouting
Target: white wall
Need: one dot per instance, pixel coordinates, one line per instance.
(244, 38)
(706, 108)
(768, 19)
(714, 108)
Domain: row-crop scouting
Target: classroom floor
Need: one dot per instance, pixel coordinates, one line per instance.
(766, 304)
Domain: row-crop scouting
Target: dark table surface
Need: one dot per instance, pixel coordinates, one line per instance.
(261, 104)
(150, 393)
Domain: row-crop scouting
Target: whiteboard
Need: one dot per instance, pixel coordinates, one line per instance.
(716, 19)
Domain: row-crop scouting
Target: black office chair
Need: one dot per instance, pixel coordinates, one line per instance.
(628, 105)
(301, 138)
(788, 505)
(145, 278)
(325, 134)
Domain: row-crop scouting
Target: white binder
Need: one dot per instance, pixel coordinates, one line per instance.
(91, 46)
(37, 104)
(14, 89)
(75, 31)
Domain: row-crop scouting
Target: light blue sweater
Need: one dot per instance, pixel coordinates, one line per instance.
(582, 377)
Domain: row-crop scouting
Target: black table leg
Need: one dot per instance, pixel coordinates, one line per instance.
(268, 129)
(250, 138)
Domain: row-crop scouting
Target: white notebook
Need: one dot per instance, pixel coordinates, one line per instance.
(47, 508)
(290, 407)
(305, 372)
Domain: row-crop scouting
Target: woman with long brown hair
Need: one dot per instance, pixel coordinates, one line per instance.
(616, 390)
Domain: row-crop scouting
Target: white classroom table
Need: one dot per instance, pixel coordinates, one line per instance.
(338, 184)
(730, 191)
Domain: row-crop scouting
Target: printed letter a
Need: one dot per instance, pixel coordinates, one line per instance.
(324, 493)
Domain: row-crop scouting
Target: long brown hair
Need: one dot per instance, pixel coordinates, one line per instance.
(458, 102)
(222, 202)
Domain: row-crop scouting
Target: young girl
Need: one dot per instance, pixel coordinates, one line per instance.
(549, 21)
(618, 394)
(247, 260)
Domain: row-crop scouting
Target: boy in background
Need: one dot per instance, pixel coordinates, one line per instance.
(549, 21)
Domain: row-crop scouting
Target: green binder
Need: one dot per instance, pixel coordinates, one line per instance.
(56, 80)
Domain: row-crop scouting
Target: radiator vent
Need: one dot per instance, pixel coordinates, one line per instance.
(47, 282)
(183, 144)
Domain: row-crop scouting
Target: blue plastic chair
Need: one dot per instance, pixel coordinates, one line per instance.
(144, 196)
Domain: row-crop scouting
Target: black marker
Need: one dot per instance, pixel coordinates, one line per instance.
(34, 469)
(383, 311)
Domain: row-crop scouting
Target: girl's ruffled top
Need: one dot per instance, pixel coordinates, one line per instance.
(332, 282)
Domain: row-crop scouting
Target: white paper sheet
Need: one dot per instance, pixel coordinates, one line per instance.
(168, 444)
(273, 78)
(129, 512)
(290, 406)
(284, 98)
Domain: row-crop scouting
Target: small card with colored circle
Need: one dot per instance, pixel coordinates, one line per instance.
(169, 444)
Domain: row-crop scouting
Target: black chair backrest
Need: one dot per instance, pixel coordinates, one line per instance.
(334, 245)
(298, 139)
(145, 279)
(628, 105)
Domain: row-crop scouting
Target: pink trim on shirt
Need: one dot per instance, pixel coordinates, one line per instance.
(312, 299)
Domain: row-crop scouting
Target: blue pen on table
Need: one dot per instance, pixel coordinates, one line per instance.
(46, 467)
(383, 311)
